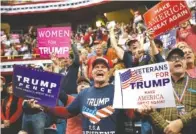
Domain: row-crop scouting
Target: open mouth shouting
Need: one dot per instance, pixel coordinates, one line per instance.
(100, 74)
(188, 57)
(178, 66)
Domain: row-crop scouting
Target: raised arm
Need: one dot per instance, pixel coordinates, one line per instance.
(60, 112)
(119, 51)
(76, 53)
(71, 110)
(154, 49)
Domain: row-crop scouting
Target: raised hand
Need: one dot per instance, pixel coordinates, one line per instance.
(149, 34)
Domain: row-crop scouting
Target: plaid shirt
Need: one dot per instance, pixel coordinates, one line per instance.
(189, 101)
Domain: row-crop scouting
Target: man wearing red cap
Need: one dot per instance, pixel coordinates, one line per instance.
(99, 53)
(95, 104)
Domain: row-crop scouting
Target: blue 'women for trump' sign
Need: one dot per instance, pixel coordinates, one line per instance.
(36, 84)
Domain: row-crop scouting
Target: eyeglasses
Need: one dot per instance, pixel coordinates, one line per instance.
(175, 58)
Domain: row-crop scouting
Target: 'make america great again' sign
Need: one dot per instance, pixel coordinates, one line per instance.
(166, 15)
(36, 84)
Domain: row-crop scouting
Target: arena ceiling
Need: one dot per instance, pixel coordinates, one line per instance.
(84, 14)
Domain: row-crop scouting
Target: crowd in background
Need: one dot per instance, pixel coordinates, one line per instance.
(121, 45)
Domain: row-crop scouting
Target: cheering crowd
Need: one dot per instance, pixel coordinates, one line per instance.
(87, 89)
(23, 47)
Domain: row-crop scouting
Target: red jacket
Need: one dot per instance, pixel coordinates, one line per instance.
(188, 35)
(11, 108)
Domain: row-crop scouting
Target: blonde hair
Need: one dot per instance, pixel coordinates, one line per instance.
(181, 43)
(193, 53)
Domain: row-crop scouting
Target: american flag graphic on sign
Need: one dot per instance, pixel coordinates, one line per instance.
(99, 114)
(129, 77)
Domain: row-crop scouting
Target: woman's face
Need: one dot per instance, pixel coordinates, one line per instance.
(10, 90)
(189, 56)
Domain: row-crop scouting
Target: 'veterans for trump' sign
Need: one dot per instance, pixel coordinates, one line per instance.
(150, 84)
(166, 15)
(36, 84)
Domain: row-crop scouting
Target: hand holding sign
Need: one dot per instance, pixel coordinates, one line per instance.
(149, 34)
(33, 104)
(145, 109)
(54, 59)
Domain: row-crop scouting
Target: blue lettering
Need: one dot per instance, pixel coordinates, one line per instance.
(139, 84)
(132, 85)
(165, 81)
(147, 85)
(157, 83)
(151, 83)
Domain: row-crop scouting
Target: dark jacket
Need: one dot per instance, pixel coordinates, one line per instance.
(68, 83)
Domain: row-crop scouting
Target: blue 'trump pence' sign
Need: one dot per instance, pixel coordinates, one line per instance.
(36, 84)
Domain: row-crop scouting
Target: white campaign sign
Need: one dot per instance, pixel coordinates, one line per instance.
(150, 84)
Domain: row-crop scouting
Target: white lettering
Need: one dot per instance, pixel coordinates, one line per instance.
(42, 89)
(97, 101)
(54, 33)
(34, 87)
(27, 86)
(56, 50)
(26, 80)
(52, 85)
(44, 83)
(19, 77)
(35, 83)
(41, 34)
(20, 84)
(49, 91)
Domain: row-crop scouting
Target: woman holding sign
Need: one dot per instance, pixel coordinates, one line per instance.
(11, 110)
